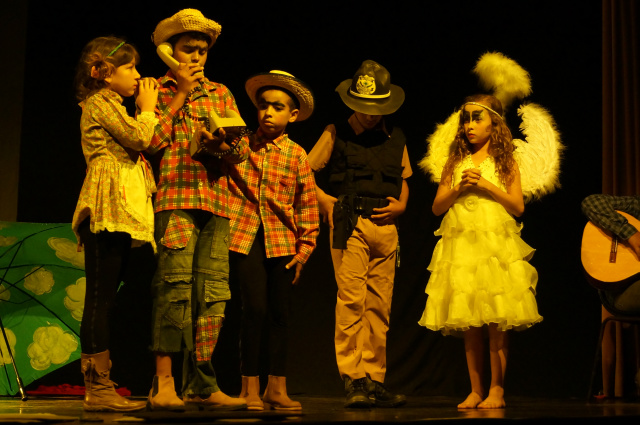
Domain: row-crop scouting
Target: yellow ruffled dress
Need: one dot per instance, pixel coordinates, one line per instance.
(480, 272)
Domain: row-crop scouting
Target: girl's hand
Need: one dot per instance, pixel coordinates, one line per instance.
(470, 177)
(147, 94)
(474, 178)
(511, 198)
(189, 76)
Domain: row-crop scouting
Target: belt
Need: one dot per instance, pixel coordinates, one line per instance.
(363, 205)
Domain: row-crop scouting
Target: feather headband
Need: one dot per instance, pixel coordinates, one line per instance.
(484, 106)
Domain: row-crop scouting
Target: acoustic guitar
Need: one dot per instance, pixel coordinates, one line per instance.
(608, 263)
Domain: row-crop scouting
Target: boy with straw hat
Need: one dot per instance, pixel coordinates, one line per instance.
(274, 225)
(191, 287)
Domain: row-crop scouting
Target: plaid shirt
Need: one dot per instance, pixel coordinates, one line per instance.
(601, 210)
(185, 183)
(274, 187)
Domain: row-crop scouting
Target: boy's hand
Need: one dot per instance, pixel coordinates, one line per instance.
(298, 266)
(388, 214)
(213, 142)
(325, 205)
(147, 94)
(189, 76)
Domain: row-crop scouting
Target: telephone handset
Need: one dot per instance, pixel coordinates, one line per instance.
(233, 125)
(165, 51)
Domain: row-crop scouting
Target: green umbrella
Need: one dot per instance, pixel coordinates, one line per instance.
(42, 287)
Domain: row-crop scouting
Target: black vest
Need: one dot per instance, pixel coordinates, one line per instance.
(368, 164)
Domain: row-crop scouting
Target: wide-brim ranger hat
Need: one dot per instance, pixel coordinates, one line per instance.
(286, 81)
(186, 20)
(370, 90)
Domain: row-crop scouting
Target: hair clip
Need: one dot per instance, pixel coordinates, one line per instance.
(116, 49)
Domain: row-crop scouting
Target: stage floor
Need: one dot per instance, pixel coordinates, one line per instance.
(329, 410)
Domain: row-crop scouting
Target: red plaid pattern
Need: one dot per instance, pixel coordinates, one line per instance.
(183, 182)
(178, 232)
(274, 186)
(207, 331)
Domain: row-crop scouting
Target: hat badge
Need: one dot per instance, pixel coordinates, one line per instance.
(366, 85)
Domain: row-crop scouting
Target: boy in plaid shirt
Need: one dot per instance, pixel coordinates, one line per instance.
(274, 225)
(191, 287)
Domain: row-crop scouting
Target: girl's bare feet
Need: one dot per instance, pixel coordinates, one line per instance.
(495, 400)
(471, 402)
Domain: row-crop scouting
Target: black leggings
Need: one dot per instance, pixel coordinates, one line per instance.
(105, 259)
(266, 286)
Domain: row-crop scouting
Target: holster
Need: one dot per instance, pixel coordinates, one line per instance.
(344, 221)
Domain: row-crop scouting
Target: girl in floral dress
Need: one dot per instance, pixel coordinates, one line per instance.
(114, 211)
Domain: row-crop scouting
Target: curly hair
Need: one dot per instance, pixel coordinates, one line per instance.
(96, 55)
(500, 141)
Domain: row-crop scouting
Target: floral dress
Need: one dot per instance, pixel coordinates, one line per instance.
(117, 189)
(479, 270)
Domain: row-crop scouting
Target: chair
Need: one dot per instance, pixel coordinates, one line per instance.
(620, 317)
(610, 266)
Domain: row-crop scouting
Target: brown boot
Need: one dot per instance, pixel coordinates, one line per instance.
(276, 395)
(163, 395)
(216, 401)
(100, 393)
(251, 392)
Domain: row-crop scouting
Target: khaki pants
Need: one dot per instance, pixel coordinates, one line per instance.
(365, 273)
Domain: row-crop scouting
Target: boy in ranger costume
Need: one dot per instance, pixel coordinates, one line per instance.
(368, 164)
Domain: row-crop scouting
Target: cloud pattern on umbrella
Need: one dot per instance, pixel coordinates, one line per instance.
(42, 287)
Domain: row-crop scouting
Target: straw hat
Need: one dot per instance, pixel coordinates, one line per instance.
(370, 90)
(184, 21)
(286, 81)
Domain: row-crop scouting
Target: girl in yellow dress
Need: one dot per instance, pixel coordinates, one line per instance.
(480, 275)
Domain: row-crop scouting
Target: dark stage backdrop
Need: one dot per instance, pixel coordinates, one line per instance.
(430, 48)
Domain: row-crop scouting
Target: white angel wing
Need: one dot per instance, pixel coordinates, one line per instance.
(439, 149)
(539, 156)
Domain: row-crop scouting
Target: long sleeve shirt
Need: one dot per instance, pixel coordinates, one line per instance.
(274, 187)
(184, 183)
(117, 189)
(601, 210)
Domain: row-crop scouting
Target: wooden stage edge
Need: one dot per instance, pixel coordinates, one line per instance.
(329, 410)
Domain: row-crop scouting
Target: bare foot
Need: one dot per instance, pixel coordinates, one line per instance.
(471, 402)
(495, 399)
